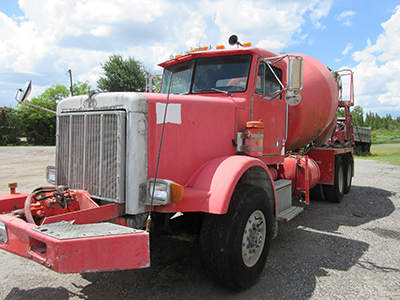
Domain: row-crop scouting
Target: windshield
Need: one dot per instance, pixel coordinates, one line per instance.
(226, 73)
(181, 78)
(212, 74)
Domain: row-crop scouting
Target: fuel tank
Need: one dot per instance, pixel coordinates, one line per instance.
(318, 106)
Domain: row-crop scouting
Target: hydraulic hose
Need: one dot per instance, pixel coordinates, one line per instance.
(27, 209)
(27, 205)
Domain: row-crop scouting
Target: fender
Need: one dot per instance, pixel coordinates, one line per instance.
(211, 187)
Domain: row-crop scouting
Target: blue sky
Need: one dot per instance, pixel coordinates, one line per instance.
(42, 39)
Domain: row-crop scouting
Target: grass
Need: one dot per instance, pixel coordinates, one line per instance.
(387, 153)
(385, 147)
(383, 136)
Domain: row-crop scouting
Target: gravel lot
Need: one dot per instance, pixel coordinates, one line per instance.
(330, 251)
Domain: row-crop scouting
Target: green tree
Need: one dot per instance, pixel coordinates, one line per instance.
(156, 84)
(358, 115)
(123, 75)
(81, 88)
(369, 120)
(10, 127)
(377, 124)
(40, 126)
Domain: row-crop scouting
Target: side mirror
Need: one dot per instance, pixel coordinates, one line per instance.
(234, 40)
(295, 74)
(23, 93)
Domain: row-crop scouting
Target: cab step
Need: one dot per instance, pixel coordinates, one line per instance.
(289, 213)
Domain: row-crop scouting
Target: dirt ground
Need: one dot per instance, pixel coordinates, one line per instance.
(330, 251)
(26, 166)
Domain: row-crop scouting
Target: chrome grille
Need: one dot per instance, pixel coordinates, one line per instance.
(90, 151)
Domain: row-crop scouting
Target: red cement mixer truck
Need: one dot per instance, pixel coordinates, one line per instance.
(231, 145)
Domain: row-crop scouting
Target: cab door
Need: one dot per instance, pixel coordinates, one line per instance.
(269, 106)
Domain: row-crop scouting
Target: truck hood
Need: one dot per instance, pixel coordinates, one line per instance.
(129, 101)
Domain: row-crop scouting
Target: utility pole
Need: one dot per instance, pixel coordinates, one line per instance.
(70, 80)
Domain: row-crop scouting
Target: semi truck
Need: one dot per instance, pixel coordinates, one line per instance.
(343, 134)
(233, 143)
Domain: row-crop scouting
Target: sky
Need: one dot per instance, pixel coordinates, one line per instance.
(42, 39)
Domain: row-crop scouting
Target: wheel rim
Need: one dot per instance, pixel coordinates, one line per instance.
(340, 180)
(254, 236)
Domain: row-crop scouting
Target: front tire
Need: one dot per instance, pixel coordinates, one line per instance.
(235, 246)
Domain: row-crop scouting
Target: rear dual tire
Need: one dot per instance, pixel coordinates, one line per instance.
(341, 185)
(349, 165)
(335, 192)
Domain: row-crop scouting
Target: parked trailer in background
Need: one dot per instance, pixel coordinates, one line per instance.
(224, 151)
(362, 138)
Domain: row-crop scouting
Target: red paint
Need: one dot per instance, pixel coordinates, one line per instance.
(211, 187)
(102, 253)
(114, 252)
(318, 106)
(11, 202)
(303, 172)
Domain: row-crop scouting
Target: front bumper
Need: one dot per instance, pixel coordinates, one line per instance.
(69, 248)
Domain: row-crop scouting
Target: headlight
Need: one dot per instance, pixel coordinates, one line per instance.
(51, 174)
(3, 233)
(160, 190)
(165, 192)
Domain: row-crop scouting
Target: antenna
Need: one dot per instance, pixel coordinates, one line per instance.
(148, 223)
(70, 81)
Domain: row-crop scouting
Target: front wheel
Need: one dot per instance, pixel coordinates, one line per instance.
(235, 246)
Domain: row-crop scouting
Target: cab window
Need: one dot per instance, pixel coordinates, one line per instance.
(267, 84)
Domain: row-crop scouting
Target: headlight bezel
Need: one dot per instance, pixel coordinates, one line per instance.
(51, 174)
(3, 233)
(162, 192)
(166, 192)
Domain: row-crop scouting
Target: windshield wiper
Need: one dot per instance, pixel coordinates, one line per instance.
(214, 90)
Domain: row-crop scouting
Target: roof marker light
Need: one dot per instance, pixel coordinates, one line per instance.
(219, 47)
(247, 44)
(194, 50)
(204, 48)
(178, 55)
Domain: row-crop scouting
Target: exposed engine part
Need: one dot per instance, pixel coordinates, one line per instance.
(49, 202)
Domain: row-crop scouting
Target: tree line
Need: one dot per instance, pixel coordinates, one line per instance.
(23, 124)
(373, 120)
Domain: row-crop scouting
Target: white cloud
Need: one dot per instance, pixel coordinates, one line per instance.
(54, 36)
(347, 49)
(377, 75)
(346, 17)
(271, 24)
(321, 10)
(102, 30)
